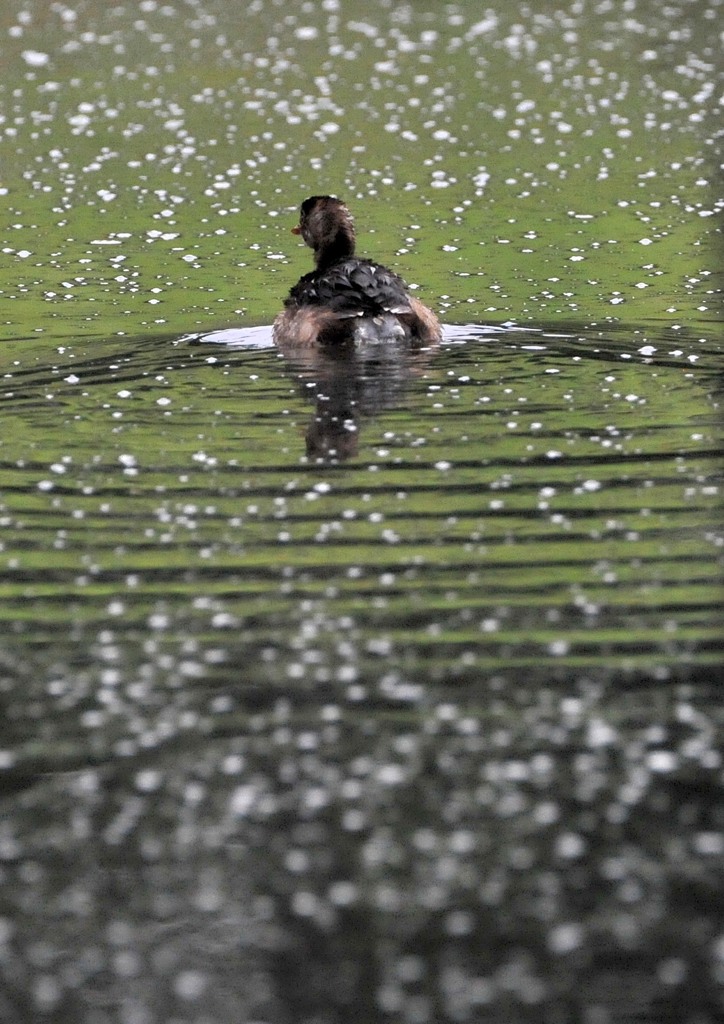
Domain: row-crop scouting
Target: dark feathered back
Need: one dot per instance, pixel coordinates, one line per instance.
(353, 287)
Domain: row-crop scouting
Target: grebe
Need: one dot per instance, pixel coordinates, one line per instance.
(346, 299)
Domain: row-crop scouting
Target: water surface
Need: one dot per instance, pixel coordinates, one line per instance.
(382, 687)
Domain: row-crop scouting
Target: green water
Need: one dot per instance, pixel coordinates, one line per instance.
(375, 688)
(535, 166)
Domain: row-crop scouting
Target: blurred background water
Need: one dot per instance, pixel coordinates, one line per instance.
(382, 688)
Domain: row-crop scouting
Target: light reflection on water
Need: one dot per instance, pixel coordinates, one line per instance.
(380, 688)
(418, 726)
(528, 164)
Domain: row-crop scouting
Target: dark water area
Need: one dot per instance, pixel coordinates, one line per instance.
(370, 687)
(381, 685)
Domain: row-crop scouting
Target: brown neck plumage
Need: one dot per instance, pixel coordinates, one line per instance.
(334, 248)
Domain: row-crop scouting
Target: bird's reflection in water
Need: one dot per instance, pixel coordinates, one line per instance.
(348, 384)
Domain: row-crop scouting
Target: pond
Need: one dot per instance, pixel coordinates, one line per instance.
(381, 686)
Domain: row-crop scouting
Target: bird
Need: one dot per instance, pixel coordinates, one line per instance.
(347, 300)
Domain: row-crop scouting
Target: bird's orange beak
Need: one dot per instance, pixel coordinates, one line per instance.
(297, 230)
